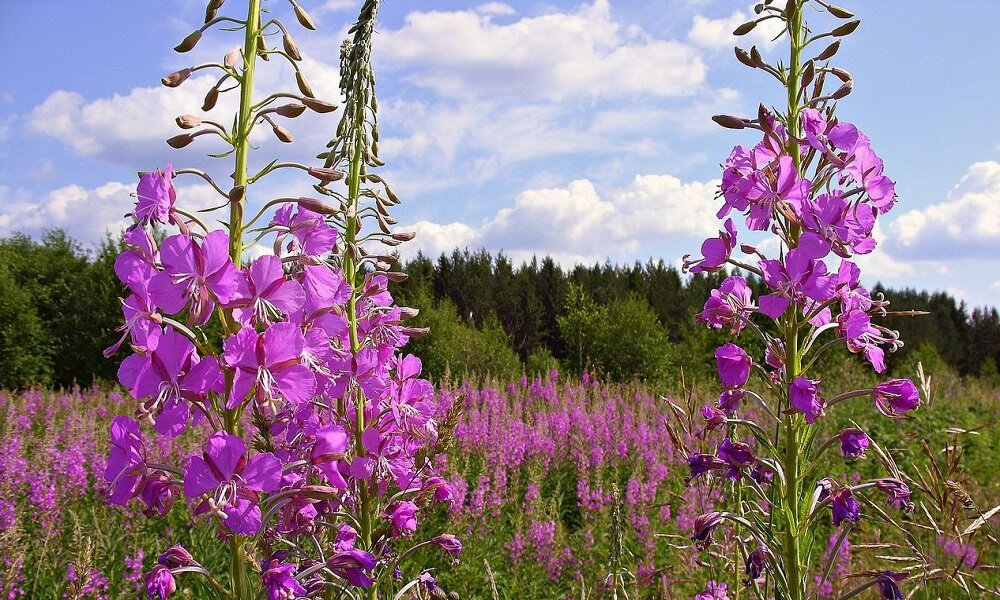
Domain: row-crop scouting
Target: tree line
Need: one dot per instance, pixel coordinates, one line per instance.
(60, 307)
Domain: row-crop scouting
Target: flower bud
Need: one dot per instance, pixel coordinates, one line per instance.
(210, 99)
(396, 276)
(290, 111)
(160, 583)
(176, 78)
(404, 236)
(845, 29)
(808, 71)
(325, 174)
(729, 121)
(237, 193)
(317, 206)
(304, 86)
(320, 106)
(179, 141)
(188, 121)
(188, 43)
(176, 556)
(843, 90)
(304, 19)
(282, 134)
(840, 13)
(231, 57)
(745, 28)
(449, 543)
(756, 57)
(744, 57)
(291, 48)
(830, 50)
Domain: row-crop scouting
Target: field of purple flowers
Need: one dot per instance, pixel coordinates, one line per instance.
(561, 489)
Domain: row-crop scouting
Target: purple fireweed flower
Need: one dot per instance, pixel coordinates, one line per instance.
(895, 397)
(844, 506)
(801, 276)
(311, 234)
(404, 518)
(853, 443)
(729, 400)
(232, 481)
(704, 526)
(155, 196)
(168, 376)
(754, 565)
(160, 583)
(714, 590)
(269, 293)
(887, 588)
(844, 228)
(428, 581)
(714, 418)
(449, 543)
(715, 251)
(865, 168)
(329, 451)
(354, 565)
(738, 455)
(157, 493)
(803, 395)
(729, 305)
(897, 493)
(196, 275)
(278, 580)
(268, 364)
(176, 556)
(773, 187)
(126, 469)
(733, 364)
(703, 463)
(736, 181)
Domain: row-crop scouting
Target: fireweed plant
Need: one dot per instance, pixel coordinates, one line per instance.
(319, 435)
(816, 184)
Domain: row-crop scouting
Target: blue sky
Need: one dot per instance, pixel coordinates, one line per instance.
(579, 130)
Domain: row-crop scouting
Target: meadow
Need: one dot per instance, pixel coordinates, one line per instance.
(563, 488)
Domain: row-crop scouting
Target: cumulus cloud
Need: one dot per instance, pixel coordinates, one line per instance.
(87, 214)
(466, 53)
(965, 225)
(580, 224)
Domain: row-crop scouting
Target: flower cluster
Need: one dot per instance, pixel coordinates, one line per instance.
(814, 183)
(309, 415)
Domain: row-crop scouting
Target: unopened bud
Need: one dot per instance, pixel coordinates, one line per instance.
(325, 174)
(210, 99)
(744, 57)
(843, 90)
(745, 28)
(262, 48)
(317, 206)
(188, 121)
(396, 276)
(304, 19)
(179, 141)
(237, 193)
(291, 48)
(304, 86)
(231, 57)
(408, 312)
(755, 56)
(320, 106)
(290, 111)
(845, 29)
(188, 43)
(840, 13)
(807, 73)
(748, 249)
(829, 52)
(404, 236)
(176, 78)
(729, 121)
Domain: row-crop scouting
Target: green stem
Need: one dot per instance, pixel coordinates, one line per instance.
(792, 535)
(238, 567)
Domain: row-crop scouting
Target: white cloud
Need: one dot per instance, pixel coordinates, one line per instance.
(87, 214)
(585, 53)
(966, 225)
(496, 8)
(718, 33)
(579, 223)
